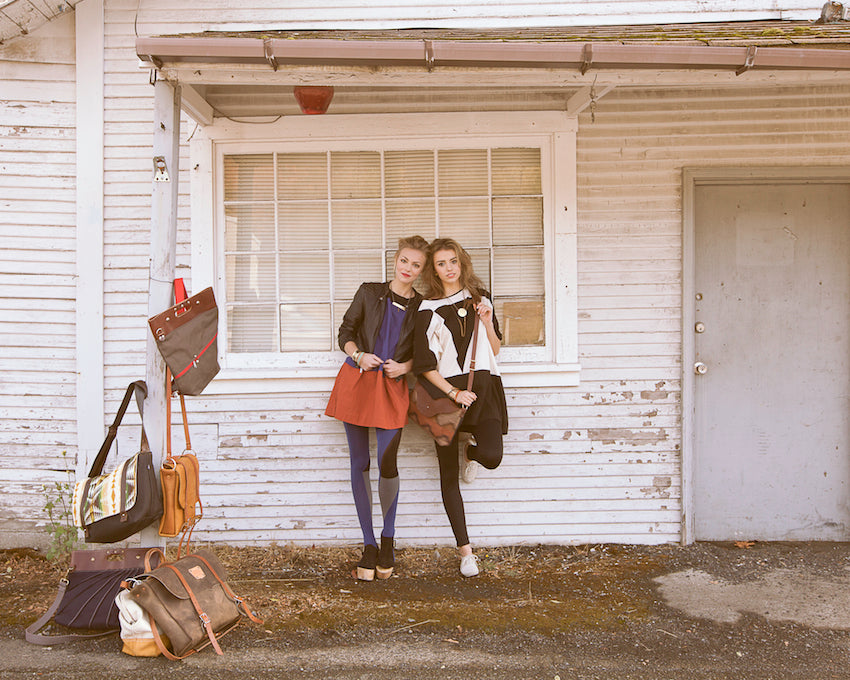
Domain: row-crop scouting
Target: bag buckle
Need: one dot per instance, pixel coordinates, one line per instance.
(204, 618)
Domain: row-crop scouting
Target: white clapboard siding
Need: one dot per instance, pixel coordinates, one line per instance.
(128, 175)
(595, 463)
(600, 462)
(37, 272)
(157, 17)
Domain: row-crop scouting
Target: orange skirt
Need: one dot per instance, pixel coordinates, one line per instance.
(368, 399)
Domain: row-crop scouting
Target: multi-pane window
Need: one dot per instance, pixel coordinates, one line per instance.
(303, 230)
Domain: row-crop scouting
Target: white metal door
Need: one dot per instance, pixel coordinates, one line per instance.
(772, 334)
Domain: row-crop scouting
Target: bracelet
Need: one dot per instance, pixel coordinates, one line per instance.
(357, 356)
(452, 394)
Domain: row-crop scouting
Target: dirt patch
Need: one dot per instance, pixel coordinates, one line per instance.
(567, 608)
(543, 589)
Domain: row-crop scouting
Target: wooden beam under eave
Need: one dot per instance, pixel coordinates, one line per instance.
(585, 97)
(195, 106)
(242, 74)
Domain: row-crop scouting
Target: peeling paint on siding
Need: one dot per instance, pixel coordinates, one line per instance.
(660, 487)
(610, 435)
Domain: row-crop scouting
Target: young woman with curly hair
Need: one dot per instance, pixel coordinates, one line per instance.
(455, 302)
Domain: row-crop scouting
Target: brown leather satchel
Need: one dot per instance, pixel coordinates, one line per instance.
(179, 477)
(440, 417)
(189, 602)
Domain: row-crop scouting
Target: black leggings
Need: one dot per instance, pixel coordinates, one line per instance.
(488, 452)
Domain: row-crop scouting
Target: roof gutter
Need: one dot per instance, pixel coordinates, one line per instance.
(431, 54)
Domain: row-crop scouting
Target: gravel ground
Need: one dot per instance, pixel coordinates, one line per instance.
(556, 612)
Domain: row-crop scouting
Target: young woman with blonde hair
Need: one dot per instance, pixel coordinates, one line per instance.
(370, 391)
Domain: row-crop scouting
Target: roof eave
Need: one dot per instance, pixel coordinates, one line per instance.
(431, 54)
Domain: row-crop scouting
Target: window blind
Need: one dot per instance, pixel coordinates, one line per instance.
(303, 230)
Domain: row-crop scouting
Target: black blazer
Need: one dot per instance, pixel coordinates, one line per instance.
(363, 319)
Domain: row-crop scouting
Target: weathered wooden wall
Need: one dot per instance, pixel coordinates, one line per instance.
(20, 17)
(37, 271)
(600, 462)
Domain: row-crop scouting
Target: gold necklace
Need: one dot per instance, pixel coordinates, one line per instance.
(461, 313)
(395, 297)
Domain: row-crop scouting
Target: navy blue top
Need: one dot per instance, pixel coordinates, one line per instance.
(390, 328)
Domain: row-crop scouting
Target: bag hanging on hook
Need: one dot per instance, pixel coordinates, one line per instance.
(111, 507)
(180, 479)
(186, 336)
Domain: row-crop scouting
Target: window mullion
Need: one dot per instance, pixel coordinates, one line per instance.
(490, 285)
(437, 222)
(277, 254)
(383, 250)
(331, 251)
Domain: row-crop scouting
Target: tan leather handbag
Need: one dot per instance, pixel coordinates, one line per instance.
(180, 480)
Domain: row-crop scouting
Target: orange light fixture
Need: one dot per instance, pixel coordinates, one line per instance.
(313, 99)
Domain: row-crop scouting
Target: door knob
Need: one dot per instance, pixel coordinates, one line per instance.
(700, 368)
(699, 327)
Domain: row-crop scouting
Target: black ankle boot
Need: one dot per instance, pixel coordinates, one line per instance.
(366, 565)
(386, 558)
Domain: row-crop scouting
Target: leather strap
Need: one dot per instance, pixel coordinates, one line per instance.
(32, 635)
(186, 536)
(185, 422)
(168, 453)
(160, 644)
(148, 559)
(141, 390)
(180, 293)
(474, 348)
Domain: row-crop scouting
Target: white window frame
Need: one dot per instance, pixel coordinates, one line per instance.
(554, 364)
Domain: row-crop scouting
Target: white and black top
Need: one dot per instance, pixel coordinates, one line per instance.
(441, 342)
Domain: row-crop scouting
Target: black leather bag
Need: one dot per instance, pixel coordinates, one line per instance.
(112, 507)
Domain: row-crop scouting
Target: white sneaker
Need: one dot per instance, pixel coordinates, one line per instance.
(469, 566)
(468, 468)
